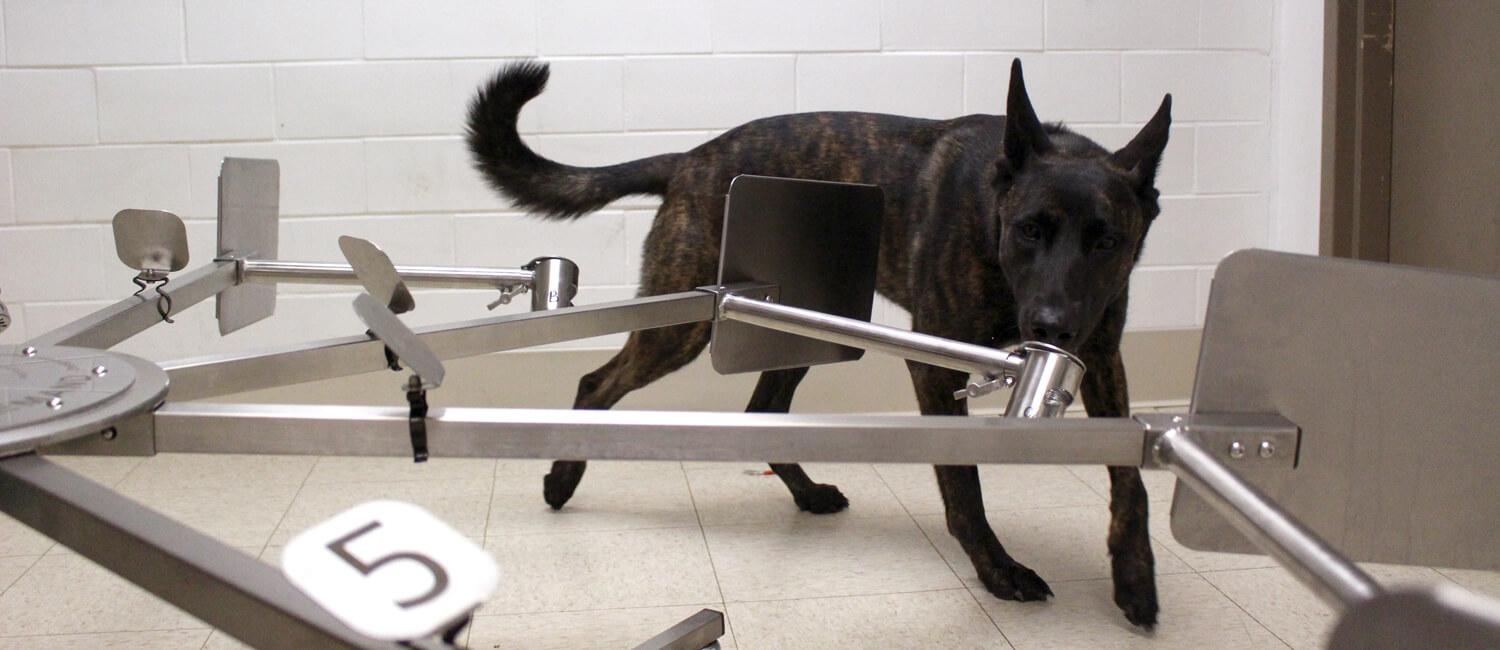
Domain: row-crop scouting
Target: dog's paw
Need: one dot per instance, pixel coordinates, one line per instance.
(821, 499)
(1138, 604)
(557, 490)
(1015, 582)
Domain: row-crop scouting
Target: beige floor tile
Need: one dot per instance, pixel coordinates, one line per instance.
(380, 470)
(153, 640)
(174, 471)
(1083, 615)
(67, 594)
(614, 495)
(13, 567)
(238, 515)
(271, 554)
(17, 538)
(221, 641)
(1060, 544)
(1005, 487)
(1161, 532)
(1290, 610)
(821, 556)
(604, 630)
(948, 619)
(105, 470)
(463, 503)
(1160, 483)
(726, 494)
(1480, 582)
(558, 572)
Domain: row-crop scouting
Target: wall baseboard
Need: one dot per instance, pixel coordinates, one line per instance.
(1160, 363)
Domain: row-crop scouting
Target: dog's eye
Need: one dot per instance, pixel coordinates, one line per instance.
(1107, 243)
(1030, 232)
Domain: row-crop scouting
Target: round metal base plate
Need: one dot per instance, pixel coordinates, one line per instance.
(52, 394)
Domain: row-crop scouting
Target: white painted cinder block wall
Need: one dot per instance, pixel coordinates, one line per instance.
(108, 105)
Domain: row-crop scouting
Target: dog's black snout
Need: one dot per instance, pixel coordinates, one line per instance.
(1048, 325)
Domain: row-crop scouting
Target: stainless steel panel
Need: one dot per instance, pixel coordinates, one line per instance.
(1391, 374)
(647, 435)
(818, 242)
(400, 339)
(150, 240)
(378, 275)
(222, 374)
(249, 204)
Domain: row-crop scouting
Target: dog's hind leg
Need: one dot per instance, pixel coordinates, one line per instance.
(963, 502)
(773, 394)
(648, 355)
(1133, 565)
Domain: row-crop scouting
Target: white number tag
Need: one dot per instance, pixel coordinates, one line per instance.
(389, 570)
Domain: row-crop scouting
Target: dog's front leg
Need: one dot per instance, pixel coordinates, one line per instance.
(1134, 567)
(963, 502)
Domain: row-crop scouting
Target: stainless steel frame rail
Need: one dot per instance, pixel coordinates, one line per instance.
(241, 596)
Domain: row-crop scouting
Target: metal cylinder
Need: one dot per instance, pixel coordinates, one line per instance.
(1047, 384)
(1328, 573)
(554, 283)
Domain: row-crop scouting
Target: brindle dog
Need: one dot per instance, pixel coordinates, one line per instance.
(995, 230)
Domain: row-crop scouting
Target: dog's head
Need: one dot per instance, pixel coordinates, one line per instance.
(1071, 218)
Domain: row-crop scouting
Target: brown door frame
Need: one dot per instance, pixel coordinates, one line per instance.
(1358, 95)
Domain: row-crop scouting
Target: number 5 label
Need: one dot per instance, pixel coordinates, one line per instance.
(390, 571)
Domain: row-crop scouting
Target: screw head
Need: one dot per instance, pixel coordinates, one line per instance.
(1236, 450)
(100, 371)
(110, 433)
(55, 403)
(1267, 449)
(28, 351)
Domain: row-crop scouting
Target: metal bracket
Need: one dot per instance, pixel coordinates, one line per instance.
(1241, 441)
(752, 290)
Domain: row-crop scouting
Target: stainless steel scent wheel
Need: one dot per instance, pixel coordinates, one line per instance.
(52, 394)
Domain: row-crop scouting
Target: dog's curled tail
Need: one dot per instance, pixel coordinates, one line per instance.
(543, 186)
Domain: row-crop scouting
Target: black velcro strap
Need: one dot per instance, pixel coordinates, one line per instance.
(416, 396)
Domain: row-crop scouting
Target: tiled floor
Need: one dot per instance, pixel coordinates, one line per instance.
(644, 545)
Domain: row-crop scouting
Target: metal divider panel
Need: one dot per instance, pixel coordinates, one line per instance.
(818, 241)
(1391, 372)
(249, 206)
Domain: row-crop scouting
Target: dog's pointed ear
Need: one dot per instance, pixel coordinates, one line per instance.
(1142, 156)
(1024, 135)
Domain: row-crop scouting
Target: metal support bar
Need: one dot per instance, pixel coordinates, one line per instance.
(855, 333)
(246, 598)
(694, 633)
(647, 435)
(1319, 566)
(237, 372)
(450, 277)
(107, 327)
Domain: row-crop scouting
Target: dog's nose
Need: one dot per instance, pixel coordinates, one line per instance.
(1048, 325)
